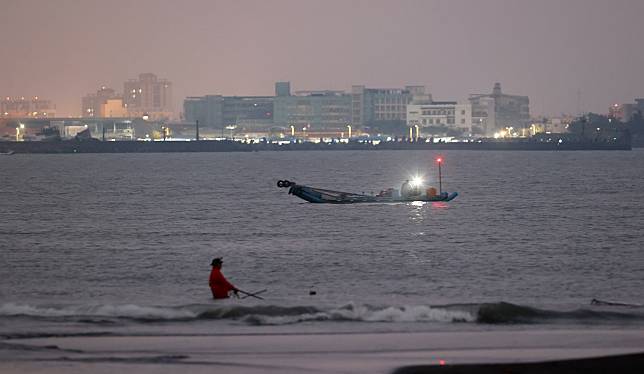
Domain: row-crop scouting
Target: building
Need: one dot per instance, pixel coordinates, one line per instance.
(547, 125)
(208, 110)
(440, 118)
(96, 105)
(21, 107)
(372, 105)
(148, 96)
(248, 112)
(113, 108)
(305, 109)
(498, 111)
(640, 104)
(219, 112)
(624, 112)
(316, 110)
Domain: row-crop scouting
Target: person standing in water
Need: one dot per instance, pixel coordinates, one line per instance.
(219, 285)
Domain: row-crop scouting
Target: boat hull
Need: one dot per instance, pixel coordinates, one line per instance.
(321, 196)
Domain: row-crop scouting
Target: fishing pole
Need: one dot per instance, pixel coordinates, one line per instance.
(253, 294)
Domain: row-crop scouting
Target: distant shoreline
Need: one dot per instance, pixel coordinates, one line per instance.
(96, 146)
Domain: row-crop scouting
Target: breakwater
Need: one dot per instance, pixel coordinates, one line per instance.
(95, 146)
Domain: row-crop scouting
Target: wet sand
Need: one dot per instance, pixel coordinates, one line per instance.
(611, 364)
(402, 353)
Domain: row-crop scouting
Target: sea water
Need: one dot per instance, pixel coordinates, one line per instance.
(114, 242)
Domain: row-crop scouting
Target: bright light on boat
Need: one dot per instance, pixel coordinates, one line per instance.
(416, 181)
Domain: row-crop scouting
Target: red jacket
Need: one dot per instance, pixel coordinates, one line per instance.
(219, 285)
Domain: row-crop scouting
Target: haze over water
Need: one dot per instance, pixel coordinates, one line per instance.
(567, 56)
(131, 236)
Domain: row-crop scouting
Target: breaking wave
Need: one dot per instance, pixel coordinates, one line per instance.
(492, 313)
(499, 313)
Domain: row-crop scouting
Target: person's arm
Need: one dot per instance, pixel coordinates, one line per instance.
(228, 285)
(221, 280)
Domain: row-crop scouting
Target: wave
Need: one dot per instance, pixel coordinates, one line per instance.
(507, 313)
(490, 313)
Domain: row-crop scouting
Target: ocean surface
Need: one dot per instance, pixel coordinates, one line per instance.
(122, 243)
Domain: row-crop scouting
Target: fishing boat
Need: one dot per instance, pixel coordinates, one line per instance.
(410, 191)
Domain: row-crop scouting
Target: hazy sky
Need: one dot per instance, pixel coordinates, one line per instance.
(547, 49)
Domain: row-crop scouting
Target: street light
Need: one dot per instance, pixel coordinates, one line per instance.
(349, 126)
(231, 128)
(292, 131)
(417, 132)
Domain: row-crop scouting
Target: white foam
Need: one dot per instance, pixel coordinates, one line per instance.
(122, 311)
(418, 313)
(10, 309)
(351, 312)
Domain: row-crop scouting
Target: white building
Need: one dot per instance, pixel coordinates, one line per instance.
(441, 118)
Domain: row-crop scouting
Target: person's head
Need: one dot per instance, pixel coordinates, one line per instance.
(217, 262)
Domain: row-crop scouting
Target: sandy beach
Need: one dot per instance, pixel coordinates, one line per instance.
(318, 353)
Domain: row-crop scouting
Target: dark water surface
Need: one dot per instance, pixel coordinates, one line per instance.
(132, 236)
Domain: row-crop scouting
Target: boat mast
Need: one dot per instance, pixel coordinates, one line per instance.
(440, 177)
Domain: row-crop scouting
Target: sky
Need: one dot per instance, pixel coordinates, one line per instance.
(566, 55)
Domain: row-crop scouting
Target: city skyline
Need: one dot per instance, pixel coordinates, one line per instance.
(567, 57)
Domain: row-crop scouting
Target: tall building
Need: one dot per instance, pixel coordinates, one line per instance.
(497, 111)
(94, 105)
(441, 118)
(21, 107)
(373, 105)
(148, 96)
(317, 110)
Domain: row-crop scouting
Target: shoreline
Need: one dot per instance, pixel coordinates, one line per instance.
(527, 351)
(133, 146)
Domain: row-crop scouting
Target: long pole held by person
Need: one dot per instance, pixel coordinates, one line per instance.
(252, 294)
